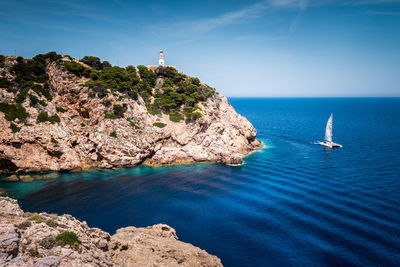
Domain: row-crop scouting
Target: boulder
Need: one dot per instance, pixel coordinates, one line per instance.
(9, 242)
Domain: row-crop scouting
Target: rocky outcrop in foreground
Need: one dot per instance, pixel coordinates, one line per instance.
(61, 121)
(49, 240)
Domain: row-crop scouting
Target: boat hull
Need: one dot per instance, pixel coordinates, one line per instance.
(329, 144)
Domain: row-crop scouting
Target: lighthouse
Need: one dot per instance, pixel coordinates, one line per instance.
(161, 63)
(161, 59)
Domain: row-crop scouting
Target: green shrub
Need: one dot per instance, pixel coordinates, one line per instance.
(42, 117)
(91, 95)
(159, 124)
(2, 60)
(106, 103)
(218, 106)
(132, 123)
(113, 134)
(111, 116)
(13, 111)
(54, 141)
(118, 110)
(60, 109)
(93, 62)
(175, 116)
(41, 102)
(42, 90)
(23, 225)
(33, 100)
(76, 68)
(51, 223)
(53, 119)
(195, 81)
(47, 242)
(82, 124)
(4, 83)
(67, 238)
(22, 94)
(147, 75)
(33, 253)
(115, 78)
(36, 217)
(14, 128)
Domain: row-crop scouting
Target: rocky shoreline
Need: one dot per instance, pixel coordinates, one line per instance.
(50, 240)
(71, 127)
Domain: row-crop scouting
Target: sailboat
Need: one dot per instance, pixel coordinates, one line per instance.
(328, 135)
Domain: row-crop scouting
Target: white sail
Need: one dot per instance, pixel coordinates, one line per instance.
(328, 130)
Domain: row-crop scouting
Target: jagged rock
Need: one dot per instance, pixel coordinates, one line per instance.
(34, 244)
(157, 245)
(25, 178)
(9, 206)
(51, 261)
(9, 242)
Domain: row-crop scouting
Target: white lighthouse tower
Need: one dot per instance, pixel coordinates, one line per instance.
(161, 59)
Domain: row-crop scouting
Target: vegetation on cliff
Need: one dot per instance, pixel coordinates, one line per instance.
(165, 90)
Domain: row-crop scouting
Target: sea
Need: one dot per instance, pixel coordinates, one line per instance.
(292, 203)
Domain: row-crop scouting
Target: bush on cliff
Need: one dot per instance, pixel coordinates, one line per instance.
(176, 116)
(67, 238)
(14, 128)
(2, 60)
(115, 78)
(159, 124)
(76, 68)
(95, 62)
(43, 116)
(5, 83)
(47, 242)
(147, 75)
(13, 111)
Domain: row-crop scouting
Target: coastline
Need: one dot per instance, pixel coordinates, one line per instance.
(38, 176)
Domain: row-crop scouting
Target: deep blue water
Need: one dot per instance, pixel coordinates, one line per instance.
(291, 204)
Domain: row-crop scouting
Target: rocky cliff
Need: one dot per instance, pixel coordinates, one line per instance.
(60, 114)
(49, 240)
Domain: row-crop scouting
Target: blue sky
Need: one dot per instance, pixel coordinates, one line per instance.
(273, 48)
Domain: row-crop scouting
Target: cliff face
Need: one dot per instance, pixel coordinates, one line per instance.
(49, 240)
(88, 131)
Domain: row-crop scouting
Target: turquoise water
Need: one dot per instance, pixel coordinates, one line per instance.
(291, 204)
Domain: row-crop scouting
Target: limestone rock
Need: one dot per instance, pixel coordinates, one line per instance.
(157, 245)
(9, 242)
(33, 244)
(10, 206)
(51, 261)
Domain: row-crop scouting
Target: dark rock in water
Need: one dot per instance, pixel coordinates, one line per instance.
(11, 178)
(26, 178)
